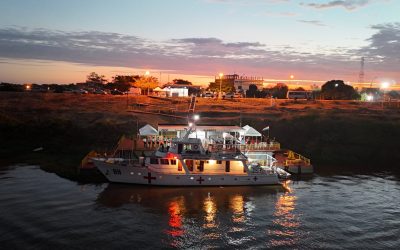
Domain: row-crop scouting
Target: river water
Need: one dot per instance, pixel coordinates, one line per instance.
(40, 210)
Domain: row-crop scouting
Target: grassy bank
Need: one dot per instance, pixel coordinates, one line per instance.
(68, 126)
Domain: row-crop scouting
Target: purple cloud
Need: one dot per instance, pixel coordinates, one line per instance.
(347, 4)
(198, 55)
(312, 22)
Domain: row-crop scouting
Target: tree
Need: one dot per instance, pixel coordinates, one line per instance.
(125, 79)
(181, 82)
(226, 86)
(95, 78)
(394, 94)
(279, 90)
(338, 90)
(122, 82)
(299, 89)
(252, 91)
(146, 83)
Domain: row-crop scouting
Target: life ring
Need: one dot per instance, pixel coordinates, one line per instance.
(196, 147)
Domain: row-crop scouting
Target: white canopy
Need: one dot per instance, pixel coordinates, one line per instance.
(250, 131)
(219, 128)
(147, 130)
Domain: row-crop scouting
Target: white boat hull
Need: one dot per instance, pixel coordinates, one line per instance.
(142, 175)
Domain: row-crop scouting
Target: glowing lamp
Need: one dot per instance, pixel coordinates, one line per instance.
(384, 85)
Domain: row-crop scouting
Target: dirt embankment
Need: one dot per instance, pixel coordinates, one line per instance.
(67, 126)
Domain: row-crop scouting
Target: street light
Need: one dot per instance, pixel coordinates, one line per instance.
(384, 86)
(220, 84)
(147, 74)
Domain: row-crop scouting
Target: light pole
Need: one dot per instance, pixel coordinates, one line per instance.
(147, 74)
(220, 84)
(384, 86)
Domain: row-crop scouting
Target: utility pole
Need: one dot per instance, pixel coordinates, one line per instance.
(361, 74)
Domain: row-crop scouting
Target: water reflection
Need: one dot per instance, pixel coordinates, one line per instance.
(236, 204)
(210, 208)
(286, 221)
(175, 211)
(195, 214)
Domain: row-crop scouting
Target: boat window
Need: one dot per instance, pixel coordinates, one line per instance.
(201, 166)
(227, 166)
(164, 162)
(117, 171)
(189, 164)
(219, 162)
(173, 162)
(179, 166)
(153, 160)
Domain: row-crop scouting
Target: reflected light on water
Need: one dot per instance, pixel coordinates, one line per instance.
(236, 204)
(210, 208)
(286, 186)
(175, 211)
(286, 221)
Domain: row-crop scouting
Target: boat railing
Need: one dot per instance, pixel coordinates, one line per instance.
(295, 158)
(261, 146)
(257, 169)
(220, 147)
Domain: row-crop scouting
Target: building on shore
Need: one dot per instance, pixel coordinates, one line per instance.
(241, 83)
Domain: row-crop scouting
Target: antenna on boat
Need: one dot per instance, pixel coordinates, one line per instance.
(191, 125)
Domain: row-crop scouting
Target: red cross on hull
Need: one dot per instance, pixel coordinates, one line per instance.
(149, 178)
(200, 180)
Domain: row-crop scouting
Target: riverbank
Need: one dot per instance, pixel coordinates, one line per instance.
(67, 126)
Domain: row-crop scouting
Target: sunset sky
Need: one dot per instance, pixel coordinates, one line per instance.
(50, 41)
